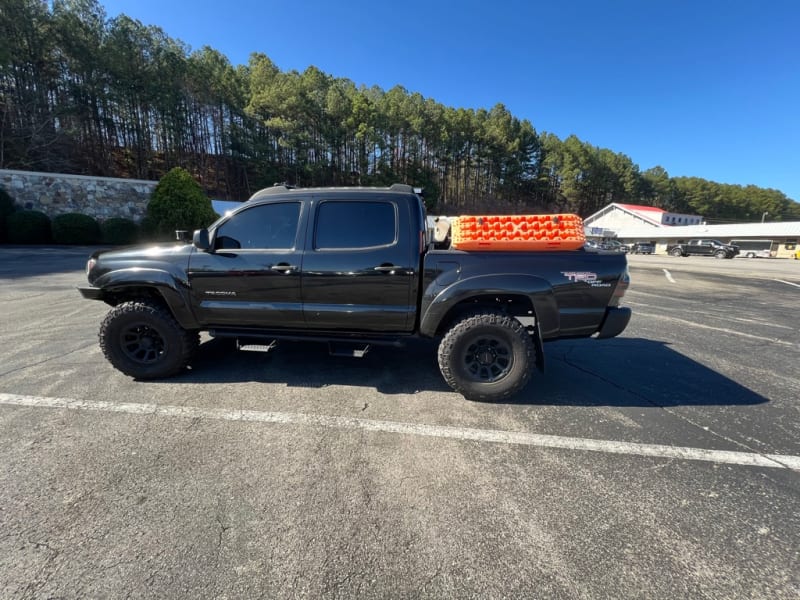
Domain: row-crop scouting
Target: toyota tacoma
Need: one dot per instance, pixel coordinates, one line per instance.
(353, 267)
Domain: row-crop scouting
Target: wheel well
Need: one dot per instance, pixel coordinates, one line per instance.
(135, 293)
(514, 305)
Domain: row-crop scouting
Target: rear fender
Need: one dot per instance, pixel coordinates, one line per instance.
(440, 302)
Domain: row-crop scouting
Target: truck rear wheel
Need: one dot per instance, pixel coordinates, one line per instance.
(487, 356)
(143, 340)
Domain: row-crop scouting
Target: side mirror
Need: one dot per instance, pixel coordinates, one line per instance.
(201, 240)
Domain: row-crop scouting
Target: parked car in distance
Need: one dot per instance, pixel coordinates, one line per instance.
(592, 245)
(606, 246)
(614, 246)
(641, 248)
(704, 248)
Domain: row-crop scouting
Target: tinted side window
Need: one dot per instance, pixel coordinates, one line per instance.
(355, 225)
(269, 226)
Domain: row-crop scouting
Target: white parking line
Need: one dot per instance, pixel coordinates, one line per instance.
(669, 276)
(750, 459)
(787, 282)
(758, 322)
(761, 338)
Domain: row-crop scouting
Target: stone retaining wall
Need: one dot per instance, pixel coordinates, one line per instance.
(99, 197)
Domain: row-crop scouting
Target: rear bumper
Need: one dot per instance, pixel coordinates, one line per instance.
(617, 319)
(91, 293)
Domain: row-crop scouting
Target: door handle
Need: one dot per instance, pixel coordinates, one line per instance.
(393, 270)
(283, 268)
(385, 268)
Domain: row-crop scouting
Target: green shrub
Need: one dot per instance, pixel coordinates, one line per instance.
(178, 202)
(75, 228)
(28, 227)
(118, 231)
(7, 207)
(148, 231)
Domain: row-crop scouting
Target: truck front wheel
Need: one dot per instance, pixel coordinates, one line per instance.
(487, 356)
(676, 252)
(142, 339)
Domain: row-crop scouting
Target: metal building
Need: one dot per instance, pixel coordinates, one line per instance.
(631, 223)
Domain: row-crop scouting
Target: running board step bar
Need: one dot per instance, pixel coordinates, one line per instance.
(353, 350)
(257, 347)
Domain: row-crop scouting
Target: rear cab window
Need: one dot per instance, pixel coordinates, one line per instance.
(352, 225)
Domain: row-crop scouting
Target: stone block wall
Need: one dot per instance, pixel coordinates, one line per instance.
(99, 197)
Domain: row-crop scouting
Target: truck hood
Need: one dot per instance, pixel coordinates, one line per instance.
(145, 251)
(152, 256)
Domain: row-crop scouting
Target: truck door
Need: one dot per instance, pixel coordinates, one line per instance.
(360, 265)
(704, 247)
(695, 247)
(251, 277)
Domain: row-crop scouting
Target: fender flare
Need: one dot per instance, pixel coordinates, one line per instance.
(174, 291)
(538, 290)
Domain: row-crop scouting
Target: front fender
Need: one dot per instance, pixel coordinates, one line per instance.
(437, 302)
(174, 291)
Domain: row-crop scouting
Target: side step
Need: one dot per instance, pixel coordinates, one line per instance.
(349, 349)
(257, 347)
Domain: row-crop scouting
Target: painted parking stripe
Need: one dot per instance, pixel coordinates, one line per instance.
(751, 459)
(669, 276)
(787, 282)
(761, 338)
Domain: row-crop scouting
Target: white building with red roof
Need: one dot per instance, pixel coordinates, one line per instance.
(630, 223)
(616, 216)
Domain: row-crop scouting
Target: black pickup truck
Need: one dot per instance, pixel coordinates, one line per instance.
(352, 267)
(704, 248)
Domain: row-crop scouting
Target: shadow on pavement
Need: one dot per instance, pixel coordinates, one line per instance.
(630, 372)
(624, 372)
(406, 370)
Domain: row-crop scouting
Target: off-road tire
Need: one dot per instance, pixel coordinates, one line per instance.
(487, 356)
(143, 340)
(676, 252)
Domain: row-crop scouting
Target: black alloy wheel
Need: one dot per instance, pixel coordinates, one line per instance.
(142, 344)
(142, 339)
(487, 356)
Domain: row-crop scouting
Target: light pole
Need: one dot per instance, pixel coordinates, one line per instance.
(764, 215)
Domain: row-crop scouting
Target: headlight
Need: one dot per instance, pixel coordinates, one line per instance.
(90, 265)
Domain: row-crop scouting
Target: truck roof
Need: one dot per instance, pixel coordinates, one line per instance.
(401, 188)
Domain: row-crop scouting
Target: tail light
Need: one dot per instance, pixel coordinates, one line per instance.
(623, 283)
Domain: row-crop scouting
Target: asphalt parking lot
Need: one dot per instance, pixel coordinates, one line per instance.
(663, 463)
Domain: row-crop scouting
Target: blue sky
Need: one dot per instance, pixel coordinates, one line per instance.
(706, 88)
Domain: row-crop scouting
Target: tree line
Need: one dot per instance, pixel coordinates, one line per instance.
(82, 93)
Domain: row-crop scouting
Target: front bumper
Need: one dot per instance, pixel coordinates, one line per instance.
(617, 319)
(91, 293)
